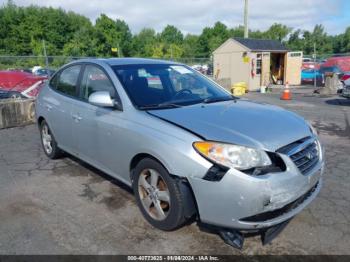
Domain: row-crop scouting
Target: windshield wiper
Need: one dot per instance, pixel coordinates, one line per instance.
(217, 99)
(160, 106)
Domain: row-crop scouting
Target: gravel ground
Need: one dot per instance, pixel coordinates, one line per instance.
(67, 207)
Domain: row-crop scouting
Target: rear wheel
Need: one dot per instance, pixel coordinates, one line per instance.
(158, 195)
(48, 142)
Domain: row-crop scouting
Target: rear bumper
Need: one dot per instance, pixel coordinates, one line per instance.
(244, 202)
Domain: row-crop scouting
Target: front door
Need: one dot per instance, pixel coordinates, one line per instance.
(95, 127)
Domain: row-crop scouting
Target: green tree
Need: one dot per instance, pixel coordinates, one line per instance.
(113, 34)
(277, 32)
(107, 34)
(143, 43)
(171, 35)
(82, 44)
(190, 46)
(171, 51)
(236, 31)
(212, 38)
(319, 37)
(295, 42)
(158, 50)
(344, 41)
(124, 37)
(22, 30)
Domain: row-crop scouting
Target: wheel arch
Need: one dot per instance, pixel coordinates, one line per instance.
(190, 202)
(137, 158)
(40, 120)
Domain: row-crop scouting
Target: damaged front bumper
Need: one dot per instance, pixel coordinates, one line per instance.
(244, 202)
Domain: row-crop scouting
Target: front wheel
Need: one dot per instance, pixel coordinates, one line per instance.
(158, 195)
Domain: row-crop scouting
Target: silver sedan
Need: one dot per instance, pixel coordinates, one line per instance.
(187, 147)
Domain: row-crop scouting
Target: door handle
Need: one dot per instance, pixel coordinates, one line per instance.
(77, 118)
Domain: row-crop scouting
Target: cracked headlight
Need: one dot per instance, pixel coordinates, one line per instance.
(233, 156)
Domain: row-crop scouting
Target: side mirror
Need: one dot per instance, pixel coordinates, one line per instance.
(103, 99)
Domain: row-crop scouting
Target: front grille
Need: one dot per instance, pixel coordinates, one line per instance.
(304, 153)
(306, 158)
(281, 211)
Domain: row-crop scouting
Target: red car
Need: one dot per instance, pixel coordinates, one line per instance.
(341, 62)
(345, 77)
(20, 84)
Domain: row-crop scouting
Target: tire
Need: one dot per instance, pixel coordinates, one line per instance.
(173, 210)
(48, 142)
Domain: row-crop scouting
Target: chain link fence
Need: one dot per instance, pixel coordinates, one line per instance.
(27, 63)
(324, 57)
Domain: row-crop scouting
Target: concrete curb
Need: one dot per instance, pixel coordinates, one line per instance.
(16, 112)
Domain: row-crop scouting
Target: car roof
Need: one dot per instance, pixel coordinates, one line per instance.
(126, 61)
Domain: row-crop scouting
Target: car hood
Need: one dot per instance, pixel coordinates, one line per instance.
(240, 122)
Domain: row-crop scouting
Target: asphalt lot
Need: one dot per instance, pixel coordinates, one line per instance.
(66, 207)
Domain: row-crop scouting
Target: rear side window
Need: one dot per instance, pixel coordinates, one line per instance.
(67, 80)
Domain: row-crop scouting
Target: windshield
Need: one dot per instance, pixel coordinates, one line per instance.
(164, 85)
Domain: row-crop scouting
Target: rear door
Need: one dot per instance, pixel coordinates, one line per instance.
(59, 106)
(293, 64)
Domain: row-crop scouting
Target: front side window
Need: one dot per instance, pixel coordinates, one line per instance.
(67, 80)
(161, 85)
(94, 80)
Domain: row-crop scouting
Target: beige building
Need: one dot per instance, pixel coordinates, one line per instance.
(257, 62)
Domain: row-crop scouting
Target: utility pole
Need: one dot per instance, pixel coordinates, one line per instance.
(246, 32)
(119, 53)
(315, 78)
(45, 55)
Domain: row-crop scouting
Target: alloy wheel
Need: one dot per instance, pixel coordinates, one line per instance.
(154, 194)
(47, 139)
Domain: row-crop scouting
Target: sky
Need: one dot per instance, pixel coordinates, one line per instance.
(191, 16)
